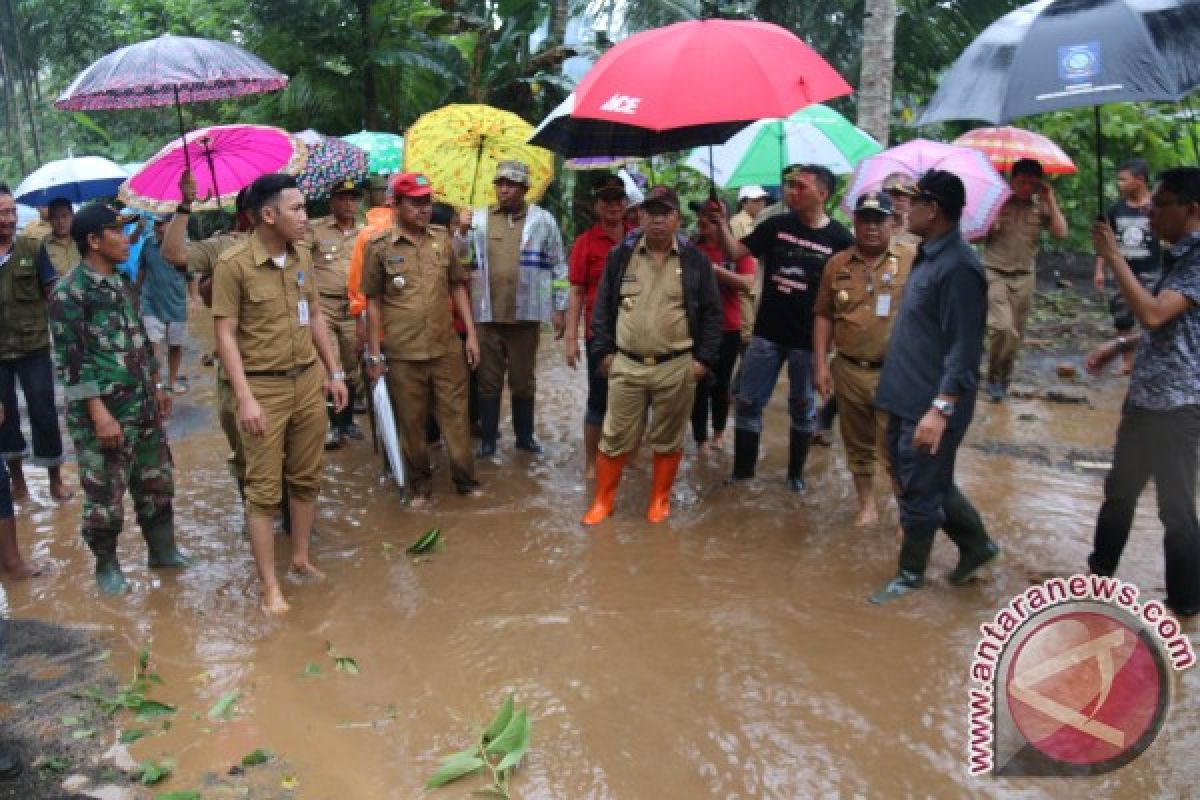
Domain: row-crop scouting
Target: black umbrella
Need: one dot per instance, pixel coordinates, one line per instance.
(1058, 54)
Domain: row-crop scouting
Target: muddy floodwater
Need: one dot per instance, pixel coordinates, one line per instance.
(728, 653)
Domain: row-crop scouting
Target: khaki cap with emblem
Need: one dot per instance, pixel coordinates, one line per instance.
(345, 185)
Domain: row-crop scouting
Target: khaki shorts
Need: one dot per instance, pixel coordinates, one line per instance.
(293, 446)
(174, 332)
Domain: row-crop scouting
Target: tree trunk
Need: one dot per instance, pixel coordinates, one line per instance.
(558, 23)
(878, 66)
(370, 95)
(20, 70)
(12, 112)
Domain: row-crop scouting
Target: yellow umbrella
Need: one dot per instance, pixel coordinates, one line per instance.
(458, 147)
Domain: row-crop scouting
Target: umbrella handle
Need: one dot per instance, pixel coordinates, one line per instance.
(187, 159)
(475, 174)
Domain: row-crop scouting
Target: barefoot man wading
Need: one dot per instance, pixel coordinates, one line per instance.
(269, 334)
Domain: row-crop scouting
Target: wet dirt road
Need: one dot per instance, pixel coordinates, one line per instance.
(729, 653)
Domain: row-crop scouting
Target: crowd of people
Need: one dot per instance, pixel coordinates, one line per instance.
(885, 321)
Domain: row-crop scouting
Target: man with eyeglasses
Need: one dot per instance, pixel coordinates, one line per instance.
(1159, 432)
(928, 384)
(408, 272)
(793, 249)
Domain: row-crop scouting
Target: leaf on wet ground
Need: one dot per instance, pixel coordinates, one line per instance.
(341, 663)
(54, 763)
(70, 720)
(187, 794)
(311, 669)
(428, 543)
(500, 721)
(289, 782)
(103, 655)
(150, 772)
(500, 749)
(255, 758)
(83, 733)
(149, 709)
(456, 766)
(132, 735)
(224, 707)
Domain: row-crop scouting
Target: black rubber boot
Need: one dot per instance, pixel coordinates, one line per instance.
(346, 424)
(489, 422)
(10, 765)
(798, 444)
(522, 412)
(745, 454)
(109, 577)
(160, 544)
(965, 528)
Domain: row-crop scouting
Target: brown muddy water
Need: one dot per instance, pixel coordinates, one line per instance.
(728, 653)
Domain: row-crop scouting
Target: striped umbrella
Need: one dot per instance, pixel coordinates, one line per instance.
(1006, 146)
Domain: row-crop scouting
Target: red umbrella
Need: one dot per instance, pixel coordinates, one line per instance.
(703, 72)
(1005, 146)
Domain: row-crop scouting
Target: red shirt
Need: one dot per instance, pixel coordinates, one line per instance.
(731, 301)
(586, 267)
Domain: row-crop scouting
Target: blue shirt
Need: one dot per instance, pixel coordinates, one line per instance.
(164, 288)
(937, 341)
(1166, 370)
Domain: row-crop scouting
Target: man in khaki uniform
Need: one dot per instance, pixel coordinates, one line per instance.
(902, 189)
(408, 272)
(656, 329)
(751, 201)
(1010, 254)
(270, 332)
(332, 241)
(519, 282)
(856, 305)
(59, 247)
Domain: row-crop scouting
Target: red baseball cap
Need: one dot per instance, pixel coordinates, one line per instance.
(411, 184)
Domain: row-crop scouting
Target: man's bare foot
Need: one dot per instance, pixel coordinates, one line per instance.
(273, 603)
(703, 448)
(305, 569)
(866, 517)
(718, 441)
(418, 501)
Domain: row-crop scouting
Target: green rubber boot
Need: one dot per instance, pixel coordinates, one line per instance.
(160, 542)
(109, 577)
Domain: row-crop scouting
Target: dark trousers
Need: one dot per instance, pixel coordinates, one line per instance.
(36, 375)
(1160, 445)
(928, 498)
(713, 391)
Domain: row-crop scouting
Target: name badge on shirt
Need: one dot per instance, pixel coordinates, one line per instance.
(883, 305)
(302, 311)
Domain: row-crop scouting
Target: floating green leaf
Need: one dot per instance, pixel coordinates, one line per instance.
(223, 708)
(514, 737)
(187, 794)
(103, 655)
(132, 735)
(149, 709)
(346, 664)
(152, 772)
(70, 720)
(83, 733)
(454, 767)
(259, 756)
(500, 721)
(426, 544)
(311, 669)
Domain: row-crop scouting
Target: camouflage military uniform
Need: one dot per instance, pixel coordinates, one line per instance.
(102, 351)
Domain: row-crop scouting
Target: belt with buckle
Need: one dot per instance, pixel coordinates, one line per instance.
(862, 362)
(653, 361)
(294, 372)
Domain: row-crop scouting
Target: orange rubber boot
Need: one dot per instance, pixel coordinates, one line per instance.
(608, 475)
(665, 467)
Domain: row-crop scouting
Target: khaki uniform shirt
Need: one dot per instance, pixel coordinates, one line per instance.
(63, 253)
(331, 249)
(504, 262)
(38, 229)
(273, 305)
(413, 276)
(652, 319)
(1012, 243)
(862, 297)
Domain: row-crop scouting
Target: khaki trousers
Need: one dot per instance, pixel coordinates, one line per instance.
(294, 443)
(227, 416)
(1010, 297)
(864, 427)
(437, 384)
(666, 391)
(508, 348)
(343, 338)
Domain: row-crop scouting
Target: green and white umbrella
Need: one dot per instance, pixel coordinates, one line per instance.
(385, 151)
(757, 154)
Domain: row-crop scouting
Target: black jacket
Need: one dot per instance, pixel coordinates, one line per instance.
(700, 297)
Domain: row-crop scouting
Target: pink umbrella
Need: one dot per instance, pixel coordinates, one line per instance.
(235, 155)
(986, 189)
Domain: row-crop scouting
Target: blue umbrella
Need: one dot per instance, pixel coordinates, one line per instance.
(74, 179)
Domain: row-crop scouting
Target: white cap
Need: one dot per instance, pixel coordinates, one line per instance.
(752, 193)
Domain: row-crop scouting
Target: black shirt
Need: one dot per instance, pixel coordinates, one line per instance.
(937, 340)
(793, 257)
(1137, 243)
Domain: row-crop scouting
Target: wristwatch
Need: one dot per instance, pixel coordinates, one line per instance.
(375, 360)
(340, 375)
(182, 209)
(943, 407)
